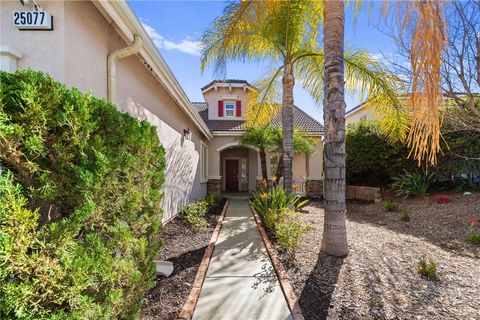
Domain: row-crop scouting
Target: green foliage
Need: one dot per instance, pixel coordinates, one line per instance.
(412, 183)
(213, 200)
(474, 237)
(80, 196)
(288, 230)
(275, 198)
(427, 269)
(405, 217)
(390, 205)
(195, 212)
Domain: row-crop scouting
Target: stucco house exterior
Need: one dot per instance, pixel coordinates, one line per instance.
(233, 167)
(360, 112)
(101, 47)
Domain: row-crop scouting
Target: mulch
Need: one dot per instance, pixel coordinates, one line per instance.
(378, 279)
(184, 246)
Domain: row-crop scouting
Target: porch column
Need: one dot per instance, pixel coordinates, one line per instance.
(214, 183)
(314, 183)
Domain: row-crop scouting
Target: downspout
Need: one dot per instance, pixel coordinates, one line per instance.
(112, 65)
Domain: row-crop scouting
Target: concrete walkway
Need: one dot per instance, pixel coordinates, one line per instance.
(240, 282)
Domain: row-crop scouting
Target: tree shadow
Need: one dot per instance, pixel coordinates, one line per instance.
(315, 298)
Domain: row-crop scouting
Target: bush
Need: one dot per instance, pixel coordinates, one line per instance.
(405, 217)
(275, 198)
(474, 237)
(427, 269)
(390, 205)
(213, 200)
(80, 192)
(195, 212)
(412, 183)
(442, 199)
(288, 233)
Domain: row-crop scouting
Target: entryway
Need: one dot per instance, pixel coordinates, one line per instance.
(231, 175)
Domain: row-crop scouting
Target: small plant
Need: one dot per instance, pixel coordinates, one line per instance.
(194, 213)
(427, 269)
(442, 198)
(213, 200)
(412, 183)
(474, 235)
(405, 217)
(275, 198)
(288, 232)
(390, 205)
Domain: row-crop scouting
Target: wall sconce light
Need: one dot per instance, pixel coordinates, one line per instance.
(187, 134)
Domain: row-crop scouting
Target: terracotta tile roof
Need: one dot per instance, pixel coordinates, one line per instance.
(301, 120)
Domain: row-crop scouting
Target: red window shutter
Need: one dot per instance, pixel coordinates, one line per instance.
(238, 108)
(220, 108)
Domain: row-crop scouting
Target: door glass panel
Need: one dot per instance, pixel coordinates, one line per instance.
(243, 173)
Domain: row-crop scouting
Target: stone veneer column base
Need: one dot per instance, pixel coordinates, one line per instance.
(213, 186)
(314, 188)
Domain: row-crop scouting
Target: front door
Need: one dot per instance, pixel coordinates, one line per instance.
(231, 175)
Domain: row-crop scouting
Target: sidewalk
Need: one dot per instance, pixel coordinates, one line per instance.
(240, 282)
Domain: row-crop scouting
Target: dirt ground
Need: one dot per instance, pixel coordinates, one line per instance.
(185, 247)
(378, 279)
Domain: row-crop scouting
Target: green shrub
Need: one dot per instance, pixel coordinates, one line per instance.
(275, 198)
(427, 269)
(288, 231)
(80, 192)
(405, 217)
(195, 212)
(411, 183)
(390, 205)
(213, 200)
(474, 237)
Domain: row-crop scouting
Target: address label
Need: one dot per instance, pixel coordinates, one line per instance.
(32, 20)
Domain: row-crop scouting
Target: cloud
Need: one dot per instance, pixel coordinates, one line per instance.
(186, 45)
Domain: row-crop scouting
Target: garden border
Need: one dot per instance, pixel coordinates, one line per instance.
(287, 288)
(187, 310)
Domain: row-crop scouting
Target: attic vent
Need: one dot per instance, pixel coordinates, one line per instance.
(149, 67)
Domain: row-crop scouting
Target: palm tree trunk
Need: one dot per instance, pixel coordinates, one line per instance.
(279, 172)
(287, 124)
(334, 240)
(263, 163)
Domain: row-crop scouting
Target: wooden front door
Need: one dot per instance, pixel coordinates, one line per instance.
(231, 175)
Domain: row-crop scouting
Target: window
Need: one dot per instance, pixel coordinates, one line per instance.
(274, 164)
(203, 162)
(229, 109)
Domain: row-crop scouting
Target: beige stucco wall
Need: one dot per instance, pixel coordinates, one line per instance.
(76, 54)
(315, 163)
(212, 97)
(357, 115)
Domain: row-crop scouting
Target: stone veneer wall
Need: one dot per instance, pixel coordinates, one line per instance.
(314, 188)
(213, 186)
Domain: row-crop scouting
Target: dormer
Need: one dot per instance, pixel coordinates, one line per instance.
(226, 99)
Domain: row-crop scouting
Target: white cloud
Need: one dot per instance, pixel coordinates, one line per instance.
(186, 45)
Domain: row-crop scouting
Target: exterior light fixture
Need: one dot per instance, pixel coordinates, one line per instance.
(187, 134)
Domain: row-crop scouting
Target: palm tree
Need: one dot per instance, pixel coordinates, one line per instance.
(334, 239)
(283, 33)
(261, 138)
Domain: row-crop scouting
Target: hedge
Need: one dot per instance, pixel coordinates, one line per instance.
(372, 160)
(80, 193)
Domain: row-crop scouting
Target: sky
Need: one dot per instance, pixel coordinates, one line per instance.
(176, 28)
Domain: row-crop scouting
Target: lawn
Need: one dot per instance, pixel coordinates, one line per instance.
(378, 279)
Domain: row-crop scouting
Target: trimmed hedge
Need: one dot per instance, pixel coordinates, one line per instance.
(80, 194)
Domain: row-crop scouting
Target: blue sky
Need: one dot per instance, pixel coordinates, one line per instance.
(177, 26)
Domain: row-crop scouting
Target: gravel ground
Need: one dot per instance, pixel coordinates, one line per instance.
(185, 247)
(378, 279)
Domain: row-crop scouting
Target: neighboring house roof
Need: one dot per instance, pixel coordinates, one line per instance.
(301, 120)
(127, 25)
(358, 107)
(227, 81)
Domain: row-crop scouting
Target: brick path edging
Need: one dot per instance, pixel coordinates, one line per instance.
(282, 275)
(187, 310)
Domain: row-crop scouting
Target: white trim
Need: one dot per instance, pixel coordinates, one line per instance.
(214, 177)
(230, 98)
(312, 179)
(235, 143)
(228, 133)
(10, 51)
(127, 24)
(217, 85)
(203, 152)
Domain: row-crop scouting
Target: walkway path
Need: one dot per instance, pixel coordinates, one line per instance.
(240, 282)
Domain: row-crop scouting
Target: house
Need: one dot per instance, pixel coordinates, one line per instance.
(233, 167)
(360, 112)
(101, 47)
